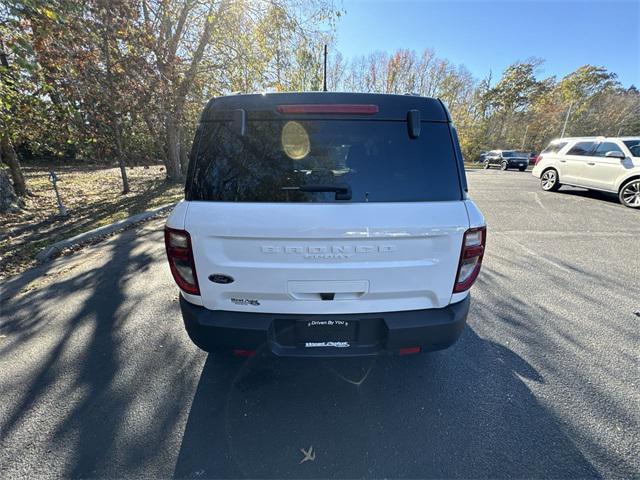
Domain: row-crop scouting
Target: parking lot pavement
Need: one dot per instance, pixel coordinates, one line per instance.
(98, 378)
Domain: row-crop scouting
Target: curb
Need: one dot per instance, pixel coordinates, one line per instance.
(86, 237)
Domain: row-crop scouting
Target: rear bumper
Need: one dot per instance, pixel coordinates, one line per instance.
(518, 163)
(369, 333)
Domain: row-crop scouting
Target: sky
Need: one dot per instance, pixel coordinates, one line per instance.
(490, 35)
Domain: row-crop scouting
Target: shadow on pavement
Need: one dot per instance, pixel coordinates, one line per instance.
(592, 194)
(463, 412)
(88, 394)
(107, 394)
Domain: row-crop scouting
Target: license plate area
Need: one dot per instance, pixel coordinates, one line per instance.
(310, 333)
(319, 333)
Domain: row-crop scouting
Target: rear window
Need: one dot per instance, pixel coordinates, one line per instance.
(554, 147)
(281, 160)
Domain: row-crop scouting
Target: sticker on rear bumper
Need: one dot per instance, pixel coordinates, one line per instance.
(245, 301)
(327, 344)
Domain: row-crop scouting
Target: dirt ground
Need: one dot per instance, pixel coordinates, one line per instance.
(93, 198)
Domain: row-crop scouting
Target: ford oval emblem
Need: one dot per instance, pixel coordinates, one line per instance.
(220, 278)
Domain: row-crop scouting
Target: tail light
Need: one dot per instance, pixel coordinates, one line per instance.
(180, 256)
(538, 158)
(239, 352)
(470, 258)
(335, 108)
(409, 350)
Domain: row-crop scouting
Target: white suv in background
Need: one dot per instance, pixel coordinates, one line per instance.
(596, 163)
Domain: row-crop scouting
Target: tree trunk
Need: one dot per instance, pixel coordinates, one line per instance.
(120, 152)
(114, 115)
(184, 151)
(157, 142)
(172, 160)
(174, 105)
(8, 156)
(8, 199)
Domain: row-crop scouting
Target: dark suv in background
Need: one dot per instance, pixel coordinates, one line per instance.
(506, 159)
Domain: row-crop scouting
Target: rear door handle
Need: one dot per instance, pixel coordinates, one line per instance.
(563, 161)
(590, 163)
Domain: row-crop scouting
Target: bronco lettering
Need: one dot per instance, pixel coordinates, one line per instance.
(328, 251)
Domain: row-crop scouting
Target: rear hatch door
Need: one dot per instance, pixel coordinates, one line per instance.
(327, 258)
(263, 210)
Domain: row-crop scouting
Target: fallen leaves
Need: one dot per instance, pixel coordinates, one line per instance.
(91, 194)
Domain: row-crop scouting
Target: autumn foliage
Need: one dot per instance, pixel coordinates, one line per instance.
(122, 82)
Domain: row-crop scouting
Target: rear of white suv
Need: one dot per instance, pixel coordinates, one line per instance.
(325, 224)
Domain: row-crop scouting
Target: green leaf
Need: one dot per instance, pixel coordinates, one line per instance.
(25, 44)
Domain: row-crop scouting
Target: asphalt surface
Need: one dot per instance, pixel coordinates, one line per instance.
(98, 378)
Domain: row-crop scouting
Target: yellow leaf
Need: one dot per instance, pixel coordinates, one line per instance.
(49, 13)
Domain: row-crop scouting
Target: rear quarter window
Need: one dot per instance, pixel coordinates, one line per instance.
(581, 148)
(554, 147)
(376, 159)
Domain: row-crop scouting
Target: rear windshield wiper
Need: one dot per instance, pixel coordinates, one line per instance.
(343, 191)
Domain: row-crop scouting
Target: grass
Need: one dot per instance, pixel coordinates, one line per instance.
(471, 166)
(93, 198)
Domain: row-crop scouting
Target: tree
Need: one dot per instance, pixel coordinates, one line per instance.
(178, 44)
(73, 55)
(8, 156)
(13, 86)
(249, 44)
(8, 198)
(125, 80)
(580, 89)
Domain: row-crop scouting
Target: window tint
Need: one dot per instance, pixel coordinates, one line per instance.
(581, 148)
(554, 147)
(514, 154)
(605, 147)
(375, 159)
(633, 146)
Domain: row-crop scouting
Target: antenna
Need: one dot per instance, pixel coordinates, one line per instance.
(324, 87)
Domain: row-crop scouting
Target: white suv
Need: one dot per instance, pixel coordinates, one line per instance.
(325, 224)
(596, 163)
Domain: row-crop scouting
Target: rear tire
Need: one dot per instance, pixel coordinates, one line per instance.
(504, 166)
(549, 180)
(522, 169)
(629, 194)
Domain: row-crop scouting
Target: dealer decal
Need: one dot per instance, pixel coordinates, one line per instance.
(327, 344)
(245, 301)
(327, 323)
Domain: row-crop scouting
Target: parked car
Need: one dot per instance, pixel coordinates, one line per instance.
(596, 163)
(325, 224)
(533, 156)
(506, 159)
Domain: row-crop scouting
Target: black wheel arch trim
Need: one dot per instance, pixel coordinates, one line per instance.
(626, 181)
